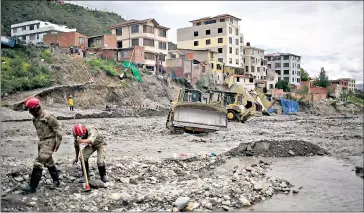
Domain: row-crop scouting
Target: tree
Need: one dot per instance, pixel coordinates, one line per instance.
(283, 85)
(323, 79)
(304, 75)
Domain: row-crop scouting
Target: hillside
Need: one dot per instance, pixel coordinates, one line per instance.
(86, 21)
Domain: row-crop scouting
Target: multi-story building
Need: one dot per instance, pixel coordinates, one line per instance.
(148, 34)
(345, 83)
(286, 65)
(219, 33)
(33, 31)
(254, 62)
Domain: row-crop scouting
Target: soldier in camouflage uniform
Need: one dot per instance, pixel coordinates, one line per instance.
(95, 142)
(50, 136)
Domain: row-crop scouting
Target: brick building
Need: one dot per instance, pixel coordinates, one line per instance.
(66, 39)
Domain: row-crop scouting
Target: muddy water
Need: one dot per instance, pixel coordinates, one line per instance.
(328, 185)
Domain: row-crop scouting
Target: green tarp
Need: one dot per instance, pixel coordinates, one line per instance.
(134, 70)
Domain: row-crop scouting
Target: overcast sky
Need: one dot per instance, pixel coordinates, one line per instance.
(325, 34)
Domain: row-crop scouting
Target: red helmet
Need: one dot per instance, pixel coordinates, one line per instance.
(32, 102)
(79, 130)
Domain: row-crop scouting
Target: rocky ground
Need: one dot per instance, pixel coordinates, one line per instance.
(150, 168)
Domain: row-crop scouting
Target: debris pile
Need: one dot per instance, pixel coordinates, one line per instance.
(145, 185)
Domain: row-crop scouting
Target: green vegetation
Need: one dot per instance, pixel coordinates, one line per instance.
(322, 80)
(356, 100)
(283, 85)
(87, 22)
(109, 67)
(304, 75)
(21, 69)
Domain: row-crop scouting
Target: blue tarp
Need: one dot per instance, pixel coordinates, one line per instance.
(289, 106)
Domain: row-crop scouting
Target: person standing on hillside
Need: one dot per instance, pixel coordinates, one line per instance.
(50, 136)
(84, 51)
(70, 102)
(94, 142)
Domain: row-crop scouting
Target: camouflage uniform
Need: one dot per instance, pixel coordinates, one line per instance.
(50, 134)
(98, 144)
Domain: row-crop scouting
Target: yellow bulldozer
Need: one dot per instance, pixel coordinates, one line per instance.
(192, 111)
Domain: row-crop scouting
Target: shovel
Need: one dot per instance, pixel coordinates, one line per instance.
(87, 188)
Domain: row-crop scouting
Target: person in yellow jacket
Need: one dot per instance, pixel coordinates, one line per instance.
(70, 102)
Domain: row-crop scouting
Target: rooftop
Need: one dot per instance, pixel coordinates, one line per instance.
(281, 54)
(133, 21)
(214, 17)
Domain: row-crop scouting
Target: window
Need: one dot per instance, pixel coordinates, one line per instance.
(81, 40)
(222, 20)
(195, 33)
(286, 65)
(219, 50)
(286, 57)
(298, 73)
(135, 42)
(162, 45)
(24, 28)
(269, 66)
(118, 31)
(203, 69)
(230, 60)
(298, 80)
(149, 56)
(237, 41)
(219, 30)
(208, 32)
(252, 68)
(148, 42)
(195, 43)
(212, 65)
(32, 37)
(230, 50)
(286, 78)
(98, 41)
(241, 49)
(139, 53)
(244, 60)
(241, 40)
(298, 66)
(218, 67)
(292, 79)
(119, 44)
(277, 65)
(231, 21)
(230, 30)
(163, 33)
(258, 69)
(15, 30)
(220, 60)
(198, 23)
(230, 40)
(247, 68)
(219, 40)
(236, 51)
(208, 41)
(37, 36)
(237, 61)
(23, 38)
(293, 73)
(31, 27)
(210, 22)
(236, 32)
(278, 72)
(135, 29)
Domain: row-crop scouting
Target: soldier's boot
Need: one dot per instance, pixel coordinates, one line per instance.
(82, 179)
(34, 181)
(102, 171)
(55, 177)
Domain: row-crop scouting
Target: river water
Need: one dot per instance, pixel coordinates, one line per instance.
(328, 185)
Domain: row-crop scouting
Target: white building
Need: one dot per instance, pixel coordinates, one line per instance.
(220, 33)
(286, 65)
(254, 62)
(33, 31)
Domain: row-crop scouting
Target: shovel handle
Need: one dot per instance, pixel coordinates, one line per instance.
(83, 167)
